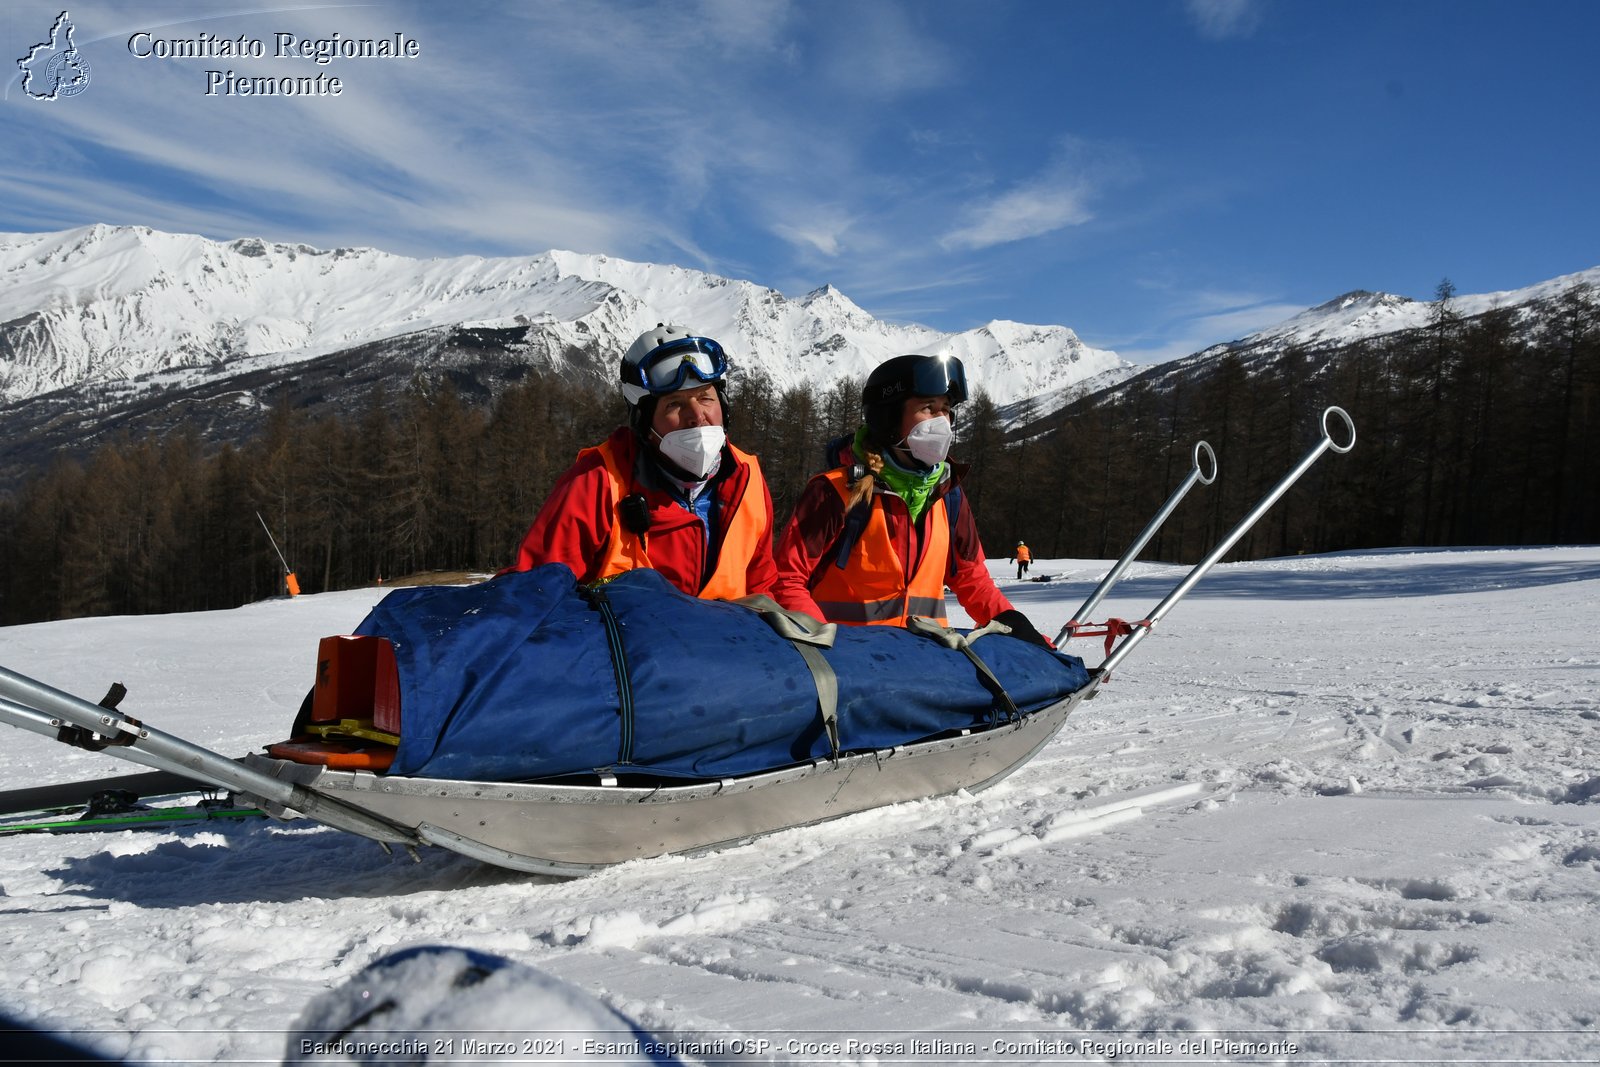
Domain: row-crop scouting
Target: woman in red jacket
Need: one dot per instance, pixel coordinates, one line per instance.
(879, 537)
(667, 490)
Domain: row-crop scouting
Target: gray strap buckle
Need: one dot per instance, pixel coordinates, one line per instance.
(809, 637)
(950, 638)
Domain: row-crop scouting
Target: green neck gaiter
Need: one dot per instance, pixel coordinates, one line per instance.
(914, 487)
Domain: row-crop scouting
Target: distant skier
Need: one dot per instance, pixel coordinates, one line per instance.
(880, 536)
(666, 491)
(1021, 557)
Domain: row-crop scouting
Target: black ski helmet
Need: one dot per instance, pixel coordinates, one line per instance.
(895, 379)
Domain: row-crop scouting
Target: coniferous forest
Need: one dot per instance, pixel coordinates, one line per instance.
(1470, 432)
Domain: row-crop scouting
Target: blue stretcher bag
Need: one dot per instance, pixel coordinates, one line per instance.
(531, 676)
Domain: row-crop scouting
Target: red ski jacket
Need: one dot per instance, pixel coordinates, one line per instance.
(810, 543)
(574, 523)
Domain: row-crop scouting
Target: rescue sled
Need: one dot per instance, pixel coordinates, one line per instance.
(440, 756)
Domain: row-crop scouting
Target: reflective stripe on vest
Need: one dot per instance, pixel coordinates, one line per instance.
(872, 589)
(746, 524)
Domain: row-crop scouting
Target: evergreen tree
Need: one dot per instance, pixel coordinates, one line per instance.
(979, 441)
(1571, 334)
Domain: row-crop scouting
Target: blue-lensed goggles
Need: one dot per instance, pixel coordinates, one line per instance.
(940, 376)
(668, 367)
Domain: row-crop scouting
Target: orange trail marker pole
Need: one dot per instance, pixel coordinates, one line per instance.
(289, 580)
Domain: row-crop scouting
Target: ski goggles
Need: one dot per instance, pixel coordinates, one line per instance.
(940, 376)
(669, 367)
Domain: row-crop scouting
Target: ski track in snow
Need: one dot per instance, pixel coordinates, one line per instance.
(1347, 799)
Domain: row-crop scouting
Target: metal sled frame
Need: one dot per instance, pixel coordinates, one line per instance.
(559, 829)
(567, 830)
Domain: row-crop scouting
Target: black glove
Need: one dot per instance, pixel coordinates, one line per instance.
(1022, 629)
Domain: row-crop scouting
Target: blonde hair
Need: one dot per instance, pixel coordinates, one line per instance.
(861, 488)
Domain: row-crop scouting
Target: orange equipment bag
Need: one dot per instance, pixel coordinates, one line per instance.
(357, 680)
(355, 707)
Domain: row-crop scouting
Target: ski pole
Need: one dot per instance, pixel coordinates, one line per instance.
(289, 580)
(1196, 474)
(1204, 566)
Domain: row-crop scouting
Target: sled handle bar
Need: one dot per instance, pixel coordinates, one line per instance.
(1196, 474)
(1141, 629)
(32, 705)
(36, 721)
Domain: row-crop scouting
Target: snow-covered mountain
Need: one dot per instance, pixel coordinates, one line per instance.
(103, 305)
(1324, 331)
(1360, 314)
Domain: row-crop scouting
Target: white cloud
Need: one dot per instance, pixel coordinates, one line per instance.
(1242, 322)
(1058, 196)
(1222, 19)
(1038, 208)
(747, 26)
(457, 148)
(822, 238)
(1189, 329)
(877, 49)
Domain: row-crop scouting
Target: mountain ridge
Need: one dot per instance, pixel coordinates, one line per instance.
(103, 305)
(1363, 313)
(106, 328)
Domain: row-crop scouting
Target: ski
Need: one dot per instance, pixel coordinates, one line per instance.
(74, 795)
(117, 814)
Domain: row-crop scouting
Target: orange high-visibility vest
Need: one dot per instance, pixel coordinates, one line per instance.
(1023, 555)
(625, 550)
(872, 588)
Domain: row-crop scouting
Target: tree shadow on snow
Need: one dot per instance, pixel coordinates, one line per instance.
(266, 863)
(1394, 573)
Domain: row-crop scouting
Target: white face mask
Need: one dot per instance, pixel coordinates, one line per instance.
(929, 440)
(695, 448)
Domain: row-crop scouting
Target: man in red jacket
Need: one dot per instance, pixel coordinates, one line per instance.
(667, 490)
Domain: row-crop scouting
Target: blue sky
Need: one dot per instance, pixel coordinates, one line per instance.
(1158, 175)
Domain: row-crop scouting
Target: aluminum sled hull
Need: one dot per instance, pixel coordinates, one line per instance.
(571, 830)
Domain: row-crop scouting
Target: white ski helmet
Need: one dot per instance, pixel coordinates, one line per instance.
(667, 358)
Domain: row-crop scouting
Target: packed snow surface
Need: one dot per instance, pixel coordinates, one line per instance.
(1339, 807)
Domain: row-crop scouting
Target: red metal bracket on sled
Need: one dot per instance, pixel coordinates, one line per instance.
(1111, 629)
